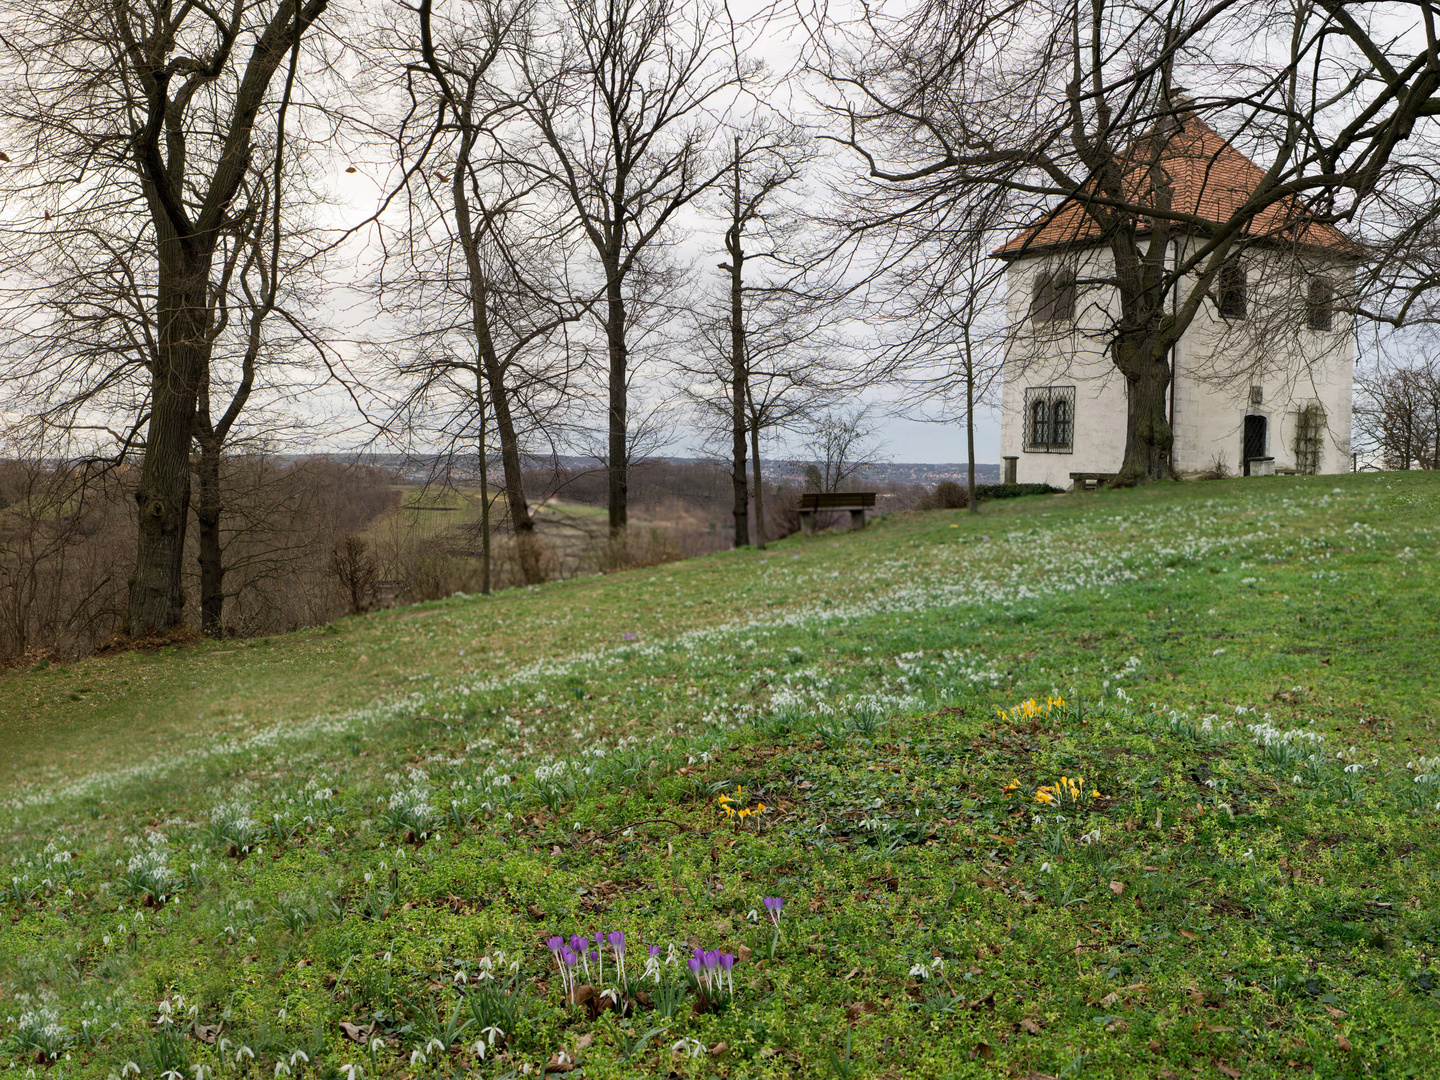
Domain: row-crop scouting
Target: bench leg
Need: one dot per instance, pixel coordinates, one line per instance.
(857, 519)
(807, 522)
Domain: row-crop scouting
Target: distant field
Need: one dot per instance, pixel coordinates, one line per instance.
(347, 825)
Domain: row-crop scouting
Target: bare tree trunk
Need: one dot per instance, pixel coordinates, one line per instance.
(207, 526)
(759, 486)
(970, 435)
(520, 520)
(738, 369)
(619, 450)
(484, 494)
(1148, 437)
(157, 594)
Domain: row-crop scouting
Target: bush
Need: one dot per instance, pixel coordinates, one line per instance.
(1014, 491)
(948, 495)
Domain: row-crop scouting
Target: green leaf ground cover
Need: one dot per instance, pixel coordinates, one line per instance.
(1248, 673)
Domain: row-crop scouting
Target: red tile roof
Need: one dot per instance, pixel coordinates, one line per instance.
(1209, 179)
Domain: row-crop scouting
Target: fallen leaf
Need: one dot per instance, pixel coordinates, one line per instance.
(853, 973)
(535, 913)
(1032, 1026)
(207, 1033)
(1118, 1024)
(1338, 1014)
(984, 1051)
(557, 1064)
(720, 1049)
(856, 1010)
(987, 1002)
(1154, 1045)
(1187, 935)
(1118, 888)
(1039, 1076)
(1344, 1043)
(555, 850)
(1234, 1074)
(1109, 999)
(745, 954)
(1167, 1074)
(583, 1043)
(354, 1032)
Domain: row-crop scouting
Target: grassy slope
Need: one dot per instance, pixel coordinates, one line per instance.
(1257, 910)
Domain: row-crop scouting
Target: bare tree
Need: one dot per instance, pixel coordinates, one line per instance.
(1077, 113)
(775, 159)
(843, 443)
(1398, 409)
(485, 285)
(617, 93)
(137, 124)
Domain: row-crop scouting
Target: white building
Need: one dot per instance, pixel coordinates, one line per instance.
(1262, 377)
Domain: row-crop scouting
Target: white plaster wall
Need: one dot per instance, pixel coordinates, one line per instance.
(1216, 361)
(1079, 358)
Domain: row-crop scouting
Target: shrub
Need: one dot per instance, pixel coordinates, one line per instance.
(1014, 491)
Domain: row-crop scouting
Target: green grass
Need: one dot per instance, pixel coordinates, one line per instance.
(1249, 672)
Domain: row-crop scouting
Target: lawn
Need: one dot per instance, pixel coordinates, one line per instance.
(1137, 783)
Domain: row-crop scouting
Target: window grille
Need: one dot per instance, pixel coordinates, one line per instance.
(1050, 419)
(1232, 290)
(1053, 299)
(1309, 432)
(1320, 305)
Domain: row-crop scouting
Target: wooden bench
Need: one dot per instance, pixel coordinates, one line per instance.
(1089, 481)
(820, 502)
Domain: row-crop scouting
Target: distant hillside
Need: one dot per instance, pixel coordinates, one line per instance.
(418, 470)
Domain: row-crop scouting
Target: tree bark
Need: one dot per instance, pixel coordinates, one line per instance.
(521, 522)
(207, 527)
(162, 497)
(738, 369)
(1148, 438)
(619, 451)
(759, 484)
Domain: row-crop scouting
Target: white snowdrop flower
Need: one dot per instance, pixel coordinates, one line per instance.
(130, 1068)
(299, 1056)
(434, 1044)
(492, 1033)
(417, 1059)
(1044, 868)
(753, 915)
(352, 1071)
(479, 1049)
(919, 971)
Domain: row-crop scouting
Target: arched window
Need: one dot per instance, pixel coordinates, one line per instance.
(1049, 419)
(1060, 423)
(1040, 422)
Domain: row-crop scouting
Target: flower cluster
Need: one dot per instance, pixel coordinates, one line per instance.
(711, 970)
(1069, 790)
(739, 812)
(1030, 709)
(577, 954)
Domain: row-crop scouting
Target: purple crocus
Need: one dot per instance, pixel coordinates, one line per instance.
(773, 904)
(727, 962)
(556, 945)
(629, 637)
(617, 943)
(654, 950)
(694, 965)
